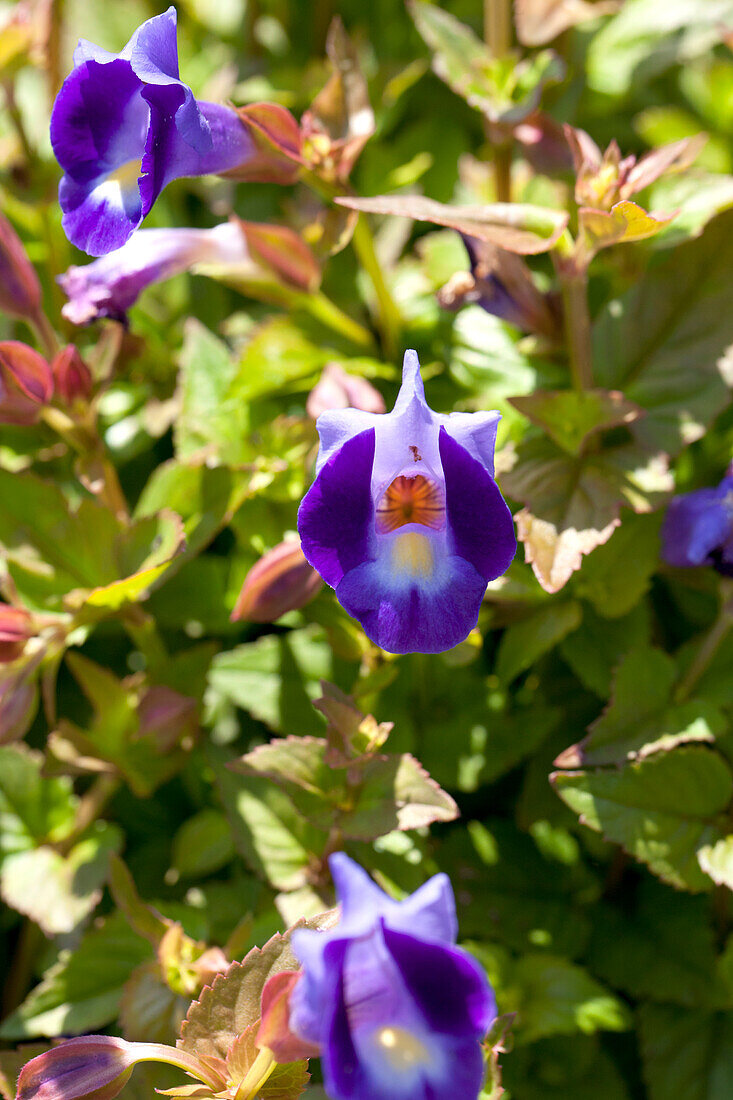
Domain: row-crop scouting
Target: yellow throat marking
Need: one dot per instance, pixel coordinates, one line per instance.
(126, 176)
(401, 1050)
(412, 553)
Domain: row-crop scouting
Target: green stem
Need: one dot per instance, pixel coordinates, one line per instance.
(172, 1056)
(329, 314)
(143, 632)
(45, 335)
(17, 120)
(19, 977)
(389, 317)
(498, 36)
(502, 164)
(89, 809)
(710, 645)
(574, 287)
(259, 1072)
(93, 455)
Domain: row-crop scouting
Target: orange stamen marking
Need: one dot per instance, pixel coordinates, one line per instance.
(410, 500)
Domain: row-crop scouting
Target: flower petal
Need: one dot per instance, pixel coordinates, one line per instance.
(336, 515)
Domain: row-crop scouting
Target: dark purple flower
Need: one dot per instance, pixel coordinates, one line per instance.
(397, 1010)
(124, 125)
(698, 529)
(404, 519)
(110, 285)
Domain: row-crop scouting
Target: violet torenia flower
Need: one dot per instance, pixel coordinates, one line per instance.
(698, 528)
(109, 286)
(404, 519)
(396, 1009)
(124, 125)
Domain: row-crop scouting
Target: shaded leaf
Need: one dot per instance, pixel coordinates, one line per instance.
(571, 418)
(686, 1053)
(616, 575)
(662, 809)
(697, 197)
(203, 844)
(557, 997)
(525, 642)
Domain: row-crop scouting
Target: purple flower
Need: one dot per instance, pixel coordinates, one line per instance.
(397, 1010)
(404, 519)
(698, 529)
(107, 287)
(124, 125)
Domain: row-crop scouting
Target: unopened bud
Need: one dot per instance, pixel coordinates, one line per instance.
(16, 627)
(275, 1033)
(20, 291)
(18, 702)
(71, 375)
(94, 1067)
(282, 580)
(338, 390)
(26, 383)
(167, 717)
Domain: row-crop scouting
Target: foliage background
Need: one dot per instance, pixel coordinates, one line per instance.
(595, 912)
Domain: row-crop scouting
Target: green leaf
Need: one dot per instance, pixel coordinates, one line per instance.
(686, 1053)
(81, 992)
(564, 1068)
(525, 642)
(33, 809)
(367, 798)
(623, 223)
(203, 844)
(210, 425)
(662, 809)
(231, 1004)
(641, 718)
(150, 1011)
(269, 832)
(616, 575)
(716, 860)
(574, 503)
(59, 891)
(486, 358)
(571, 418)
(595, 648)
(664, 342)
(503, 89)
(661, 951)
(557, 997)
(637, 44)
(276, 678)
(697, 197)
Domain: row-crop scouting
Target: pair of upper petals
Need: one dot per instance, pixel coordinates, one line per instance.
(124, 125)
(397, 1010)
(416, 587)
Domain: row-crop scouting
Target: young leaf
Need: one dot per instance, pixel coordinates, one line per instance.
(662, 809)
(623, 223)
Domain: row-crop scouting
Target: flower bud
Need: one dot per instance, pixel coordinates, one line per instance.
(167, 716)
(275, 1033)
(338, 390)
(15, 629)
(18, 702)
(20, 291)
(94, 1067)
(71, 375)
(282, 580)
(26, 383)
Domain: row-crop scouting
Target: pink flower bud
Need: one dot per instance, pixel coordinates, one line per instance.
(26, 383)
(282, 580)
(72, 376)
(338, 390)
(20, 291)
(94, 1067)
(275, 1032)
(166, 716)
(16, 628)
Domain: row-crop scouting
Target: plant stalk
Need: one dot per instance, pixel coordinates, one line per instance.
(498, 37)
(328, 313)
(389, 317)
(710, 645)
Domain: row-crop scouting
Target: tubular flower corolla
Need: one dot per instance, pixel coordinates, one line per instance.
(124, 125)
(397, 1010)
(698, 528)
(404, 519)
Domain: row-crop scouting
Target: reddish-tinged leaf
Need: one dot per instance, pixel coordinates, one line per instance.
(674, 157)
(20, 291)
(517, 227)
(26, 383)
(274, 1031)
